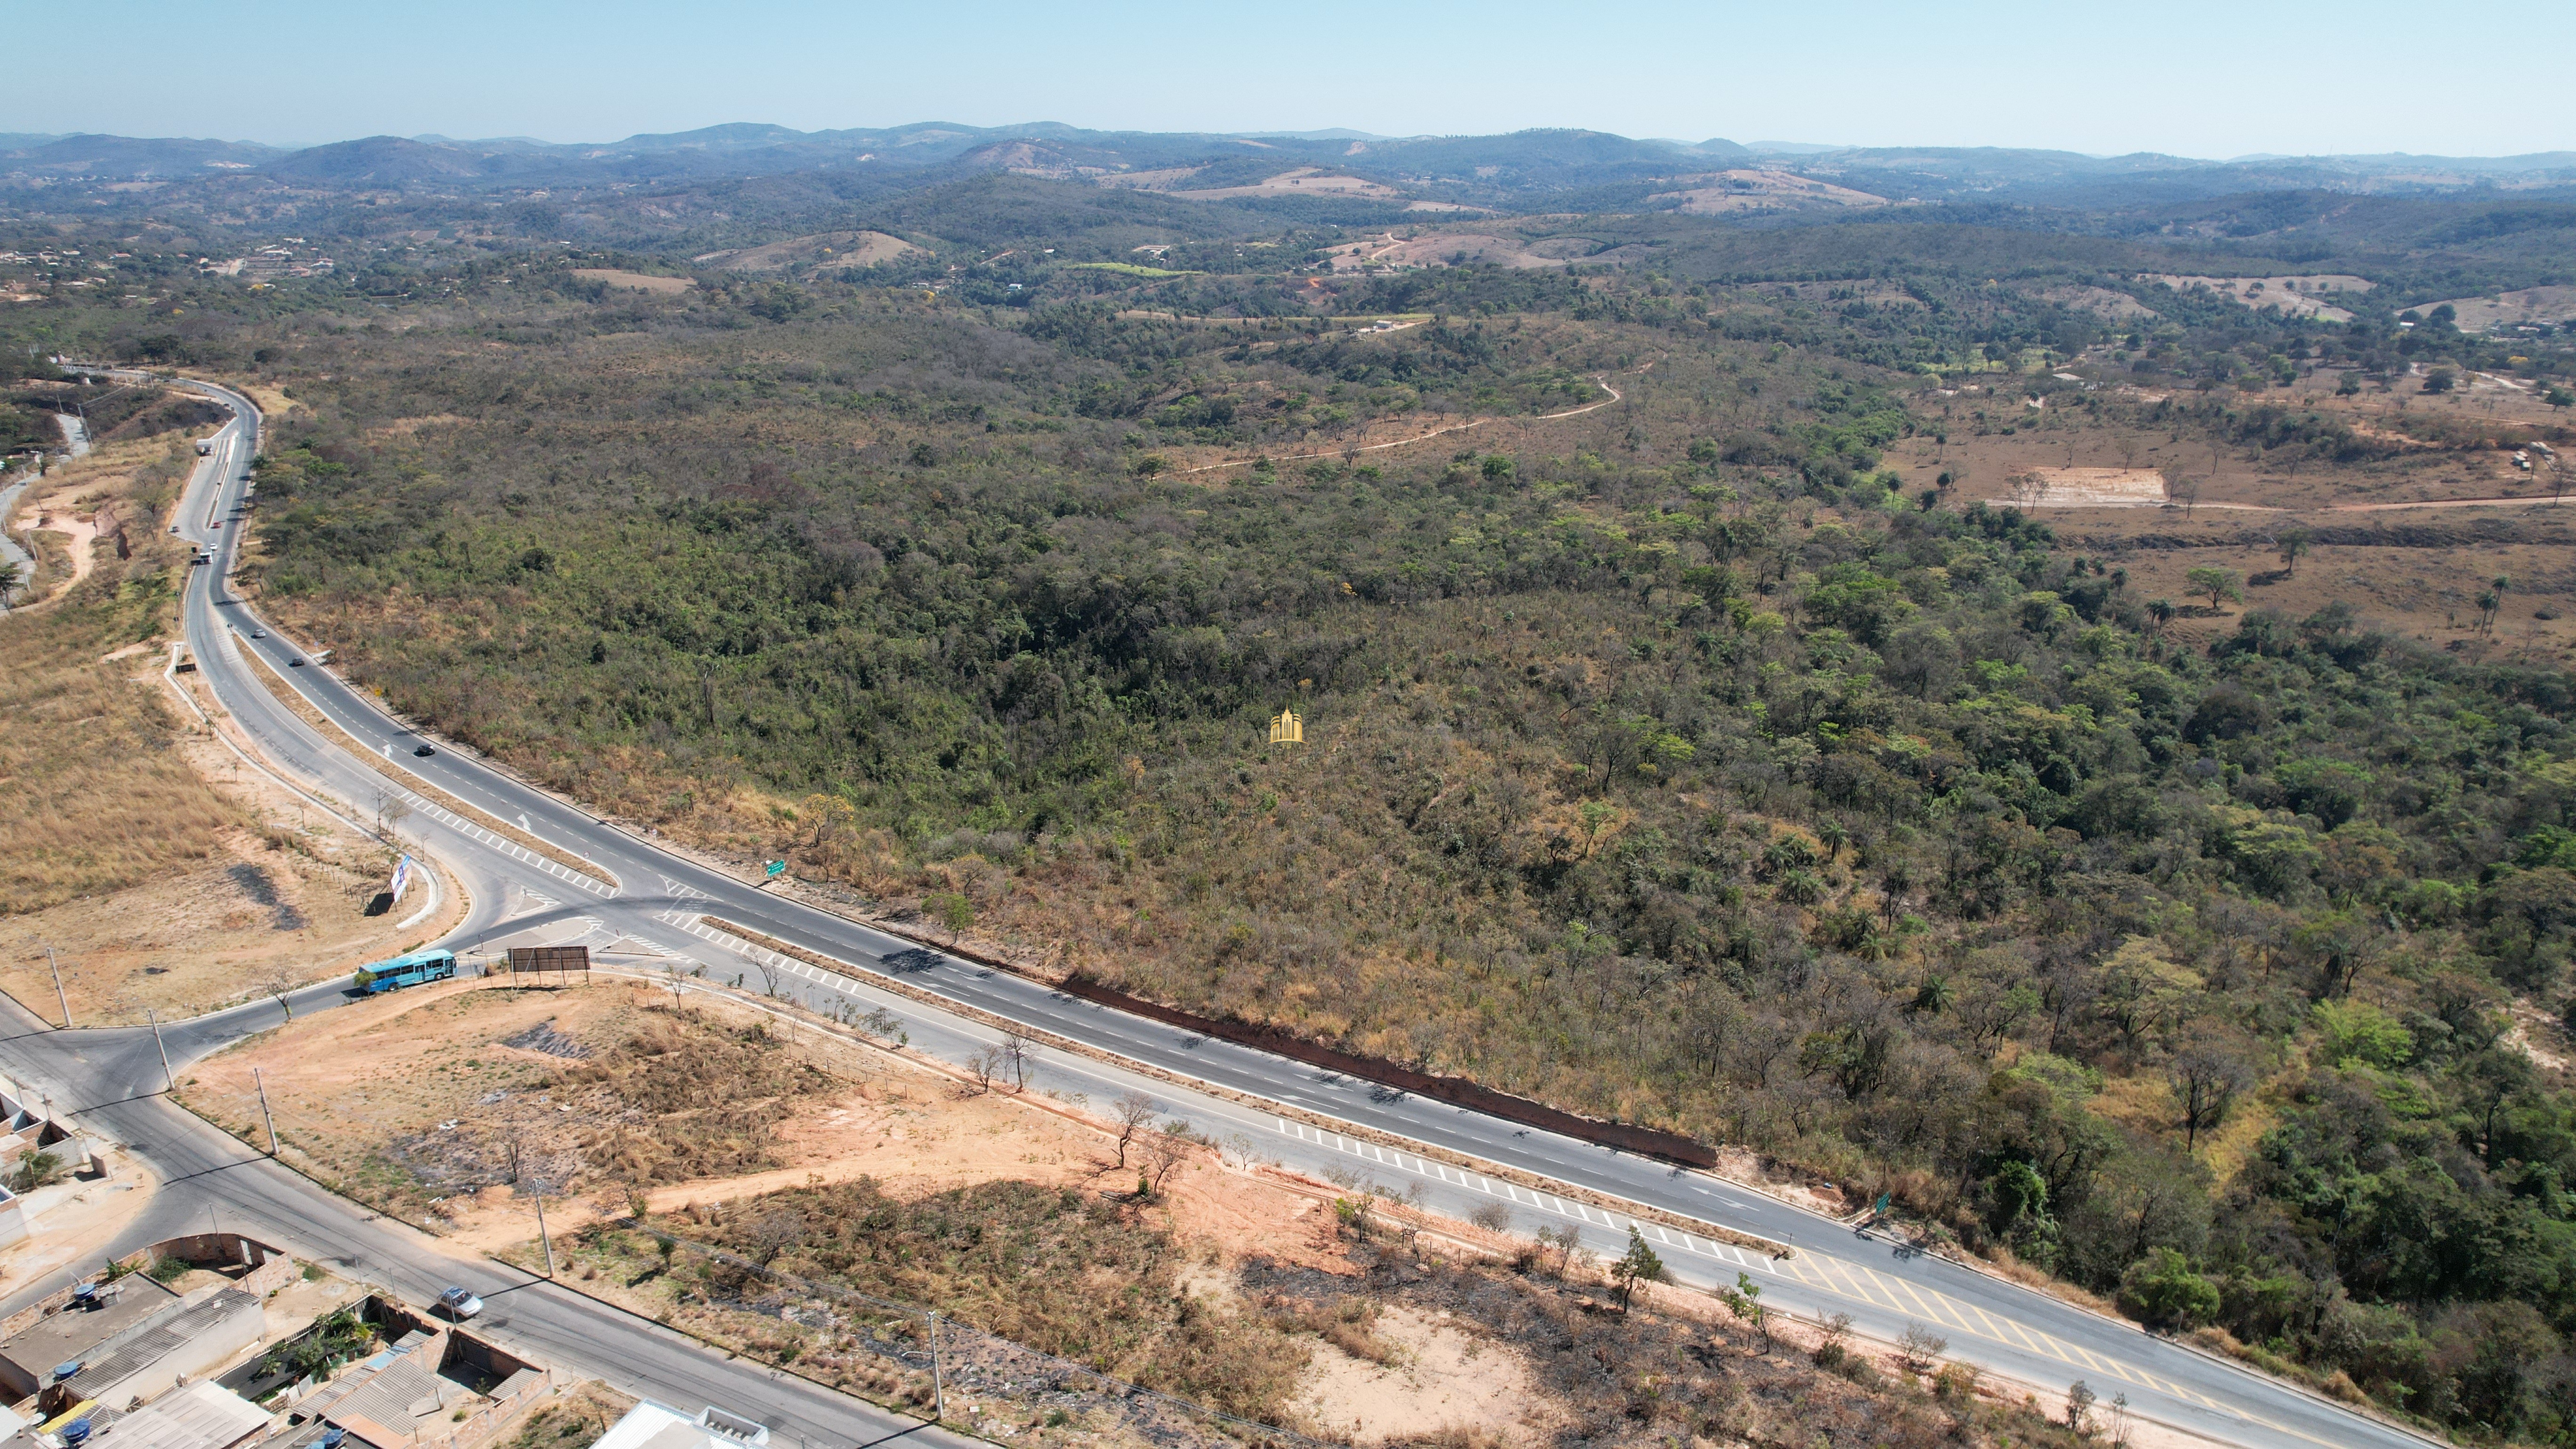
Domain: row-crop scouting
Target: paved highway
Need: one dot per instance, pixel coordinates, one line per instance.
(654, 908)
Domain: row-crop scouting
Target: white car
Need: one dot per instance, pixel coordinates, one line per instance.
(460, 1305)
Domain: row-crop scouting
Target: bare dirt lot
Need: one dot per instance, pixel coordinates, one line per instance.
(634, 281)
(1235, 1283)
(2408, 541)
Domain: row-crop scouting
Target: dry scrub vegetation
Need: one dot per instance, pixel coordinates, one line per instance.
(161, 874)
(98, 799)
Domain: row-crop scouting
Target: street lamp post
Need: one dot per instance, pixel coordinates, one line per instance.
(169, 1079)
(59, 997)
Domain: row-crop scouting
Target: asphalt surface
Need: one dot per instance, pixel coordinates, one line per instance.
(650, 917)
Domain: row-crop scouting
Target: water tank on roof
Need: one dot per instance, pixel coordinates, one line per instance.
(63, 1371)
(75, 1434)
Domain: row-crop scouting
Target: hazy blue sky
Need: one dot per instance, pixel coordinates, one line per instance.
(2193, 78)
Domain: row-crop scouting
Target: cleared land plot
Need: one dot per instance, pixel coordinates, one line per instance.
(823, 249)
(2100, 488)
(1304, 181)
(2542, 306)
(2100, 301)
(633, 281)
(2295, 296)
(1717, 193)
(1446, 248)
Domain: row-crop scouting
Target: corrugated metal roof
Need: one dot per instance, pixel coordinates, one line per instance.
(151, 1342)
(204, 1415)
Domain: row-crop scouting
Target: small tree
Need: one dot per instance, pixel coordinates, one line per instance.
(1564, 1240)
(2216, 584)
(283, 989)
(2181, 488)
(2160, 612)
(984, 1064)
(2206, 1078)
(1017, 1052)
(1164, 1152)
(952, 911)
(1834, 1342)
(1131, 1111)
(2294, 542)
(1638, 1264)
(1744, 1300)
(1921, 1346)
(2079, 1404)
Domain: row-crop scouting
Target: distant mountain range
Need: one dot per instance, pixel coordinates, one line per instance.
(1521, 170)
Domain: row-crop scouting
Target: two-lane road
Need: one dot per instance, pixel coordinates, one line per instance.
(659, 897)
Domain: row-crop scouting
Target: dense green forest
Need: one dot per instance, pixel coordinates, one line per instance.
(1666, 761)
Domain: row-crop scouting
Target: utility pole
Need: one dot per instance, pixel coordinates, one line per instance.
(541, 1232)
(262, 1083)
(169, 1078)
(938, 1381)
(65, 1001)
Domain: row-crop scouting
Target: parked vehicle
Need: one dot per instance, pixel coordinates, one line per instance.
(402, 971)
(460, 1305)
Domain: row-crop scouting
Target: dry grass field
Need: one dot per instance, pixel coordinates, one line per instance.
(161, 873)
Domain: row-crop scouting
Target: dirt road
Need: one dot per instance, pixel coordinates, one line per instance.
(1601, 382)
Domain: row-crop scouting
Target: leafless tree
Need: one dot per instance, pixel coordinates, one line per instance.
(773, 1234)
(1493, 1217)
(2206, 1078)
(768, 978)
(1920, 1346)
(1132, 1111)
(1563, 1240)
(281, 987)
(984, 1065)
(1018, 1052)
(1164, 1152)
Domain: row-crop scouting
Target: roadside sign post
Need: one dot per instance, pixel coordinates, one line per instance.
(773, 871)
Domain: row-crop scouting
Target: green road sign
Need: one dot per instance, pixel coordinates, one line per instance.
(776, 869)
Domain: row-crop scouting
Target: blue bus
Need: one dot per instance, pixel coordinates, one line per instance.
(401, 971)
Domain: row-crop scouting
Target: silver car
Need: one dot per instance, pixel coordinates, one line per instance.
(460, 1305)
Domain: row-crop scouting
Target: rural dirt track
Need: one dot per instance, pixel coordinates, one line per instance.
(2327, 507)
(1601, 382)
